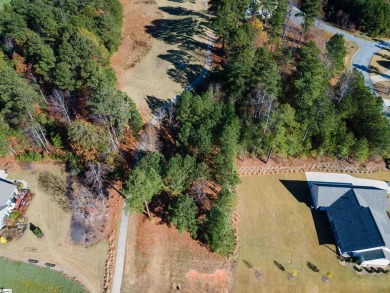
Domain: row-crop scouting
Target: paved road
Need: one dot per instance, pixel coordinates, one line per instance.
(121, 252)
(361, 60)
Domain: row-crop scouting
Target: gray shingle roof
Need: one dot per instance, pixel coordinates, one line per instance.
(358, 214)
(354, 224)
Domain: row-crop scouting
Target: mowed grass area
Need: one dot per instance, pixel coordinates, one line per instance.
(352, 48)
(28, 278)
(276, 223)
(86, 264)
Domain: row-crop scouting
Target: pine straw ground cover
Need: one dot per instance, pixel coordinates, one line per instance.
(28, 278)
(160, 259)
(277, 224)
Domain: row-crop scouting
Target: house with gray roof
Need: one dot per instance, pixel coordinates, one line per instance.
(8, 195)
(358, 217)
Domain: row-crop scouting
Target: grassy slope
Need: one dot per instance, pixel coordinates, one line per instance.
(22, 277)
(276, 225)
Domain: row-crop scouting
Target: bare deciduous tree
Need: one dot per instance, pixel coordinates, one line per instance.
(149, 140)
(95, 176)
(58, 103)
(343, 85)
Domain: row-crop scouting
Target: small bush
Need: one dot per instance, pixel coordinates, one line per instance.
(14, 216)
(358, 269)
(30, 156)
(356, 260)
(369, 270)
(385, 271)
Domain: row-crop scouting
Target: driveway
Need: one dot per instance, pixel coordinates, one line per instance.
(361, 60)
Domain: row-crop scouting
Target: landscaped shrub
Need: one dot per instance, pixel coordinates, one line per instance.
(369, 270)
(36, 230)
(14, 216)
(358, 269)
(356, 260)
(385, 271)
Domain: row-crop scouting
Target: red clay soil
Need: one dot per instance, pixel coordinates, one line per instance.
(251, 166)
(115, 203)
(168, 261)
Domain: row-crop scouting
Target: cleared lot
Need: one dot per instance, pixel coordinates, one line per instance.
(86, 264)
(276, 223)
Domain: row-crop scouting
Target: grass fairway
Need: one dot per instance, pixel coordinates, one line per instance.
(27, 278)
(276, 224)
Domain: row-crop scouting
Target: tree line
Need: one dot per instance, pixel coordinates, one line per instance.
(370, 16)
(58, 89)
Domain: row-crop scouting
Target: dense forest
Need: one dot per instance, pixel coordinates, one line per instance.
(58, 97)
(370, 16)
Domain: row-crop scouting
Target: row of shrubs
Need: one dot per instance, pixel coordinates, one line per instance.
(34, 156)
(371, 270)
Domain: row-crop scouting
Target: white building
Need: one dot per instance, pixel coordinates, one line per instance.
(357, 212)
(8, 197)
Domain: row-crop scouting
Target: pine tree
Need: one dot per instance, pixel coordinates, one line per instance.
(184, 214)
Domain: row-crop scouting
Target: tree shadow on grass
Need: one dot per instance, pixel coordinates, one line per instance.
(180, 32)
(184, 70)
(300, 190)
(180, 11)
(155, 104)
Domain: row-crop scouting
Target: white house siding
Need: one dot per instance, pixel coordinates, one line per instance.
(2, 216)
(4, 213)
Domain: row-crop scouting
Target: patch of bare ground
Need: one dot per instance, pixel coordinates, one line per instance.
(249, 166)
(163, 260)
(136, 42)
(115, 203)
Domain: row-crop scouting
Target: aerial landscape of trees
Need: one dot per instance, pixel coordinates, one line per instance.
(57, 92)
(264, 99)
(255, 107)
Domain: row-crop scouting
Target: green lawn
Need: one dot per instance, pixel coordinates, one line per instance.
(276, 223)
(28, 278)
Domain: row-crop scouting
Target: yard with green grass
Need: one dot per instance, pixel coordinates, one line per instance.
(277, 224)
(28, 278)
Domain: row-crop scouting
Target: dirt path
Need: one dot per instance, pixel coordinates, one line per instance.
(176, 57)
